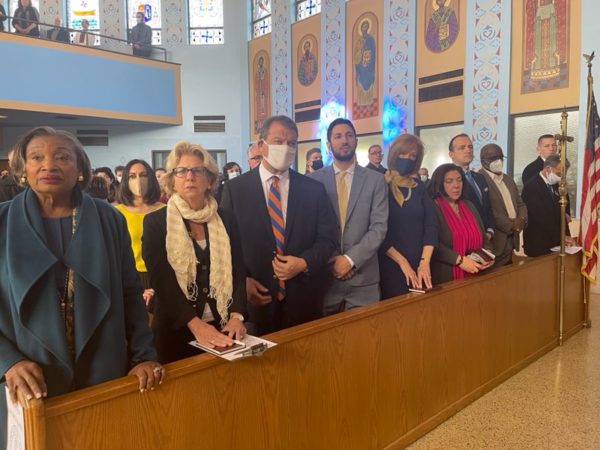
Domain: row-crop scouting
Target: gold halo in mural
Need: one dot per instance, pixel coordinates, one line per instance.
(435, 6)
(366, 19)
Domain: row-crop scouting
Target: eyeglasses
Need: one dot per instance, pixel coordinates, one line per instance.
(181, 172)
(256, 158)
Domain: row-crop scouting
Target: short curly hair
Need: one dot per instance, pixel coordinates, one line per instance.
(20, 157)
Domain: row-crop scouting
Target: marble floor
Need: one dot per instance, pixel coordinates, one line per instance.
(552, 404)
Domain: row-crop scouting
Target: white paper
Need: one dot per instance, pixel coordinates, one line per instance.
(249, 340)
(15, 427)
(569, 249)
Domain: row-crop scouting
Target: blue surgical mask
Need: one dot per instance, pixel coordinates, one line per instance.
(405, 166)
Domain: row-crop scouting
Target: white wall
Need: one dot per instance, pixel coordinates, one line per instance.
(214, 81)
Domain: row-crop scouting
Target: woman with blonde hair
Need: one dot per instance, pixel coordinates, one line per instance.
(193, 254)
(405, 254)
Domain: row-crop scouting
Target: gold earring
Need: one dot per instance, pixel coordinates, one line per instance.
(80, 178)
(23, 179)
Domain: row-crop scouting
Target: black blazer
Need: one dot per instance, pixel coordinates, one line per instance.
(310, 233)
(484, 207)
(444, 257)
(379, 169)
(60, 34)
(543, 217)
(532, 169)
(172, 309)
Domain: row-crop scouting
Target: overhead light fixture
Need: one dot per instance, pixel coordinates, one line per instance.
(3, 117)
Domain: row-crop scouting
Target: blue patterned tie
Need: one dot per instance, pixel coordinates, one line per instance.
(473, 184)
(277, 224)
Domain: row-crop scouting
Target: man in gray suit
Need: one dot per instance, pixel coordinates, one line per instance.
(509, 210)
(359, 198)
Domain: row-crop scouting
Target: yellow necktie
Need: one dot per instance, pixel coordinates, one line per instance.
(342, 194)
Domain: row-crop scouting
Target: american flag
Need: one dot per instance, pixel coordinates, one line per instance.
(591, 191)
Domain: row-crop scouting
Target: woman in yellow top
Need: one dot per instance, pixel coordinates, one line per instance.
(139, 195)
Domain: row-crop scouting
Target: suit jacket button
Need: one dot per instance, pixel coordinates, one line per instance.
(204, 290)
(203, 267)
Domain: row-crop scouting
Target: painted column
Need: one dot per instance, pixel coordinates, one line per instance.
(49, 10)
(589, 43)
(487, 73)
(111, 24)
(173, 26)
(399, 57)
(333, 64)
(281, 59)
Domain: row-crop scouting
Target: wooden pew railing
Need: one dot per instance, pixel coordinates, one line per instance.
(371, 378)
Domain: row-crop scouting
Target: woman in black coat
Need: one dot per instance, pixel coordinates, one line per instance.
(194, 259)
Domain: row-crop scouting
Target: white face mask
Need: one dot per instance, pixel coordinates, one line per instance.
(424, 178)
(118, 177)
(280, 156)
(496, 166)
(232, 175)
(552, 178)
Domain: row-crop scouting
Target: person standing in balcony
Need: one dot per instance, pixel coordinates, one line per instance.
(84, 37)
(2, 17)
(26, 19)
(141, 37)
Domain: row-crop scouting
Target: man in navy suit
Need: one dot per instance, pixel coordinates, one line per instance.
(475, 188)
(286, 266)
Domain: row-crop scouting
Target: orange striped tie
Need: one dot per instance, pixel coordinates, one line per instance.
(276, 215)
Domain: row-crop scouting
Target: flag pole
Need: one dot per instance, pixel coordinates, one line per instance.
(562, 138)
(586, 284)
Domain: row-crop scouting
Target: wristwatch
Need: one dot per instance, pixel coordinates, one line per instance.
(238, 316)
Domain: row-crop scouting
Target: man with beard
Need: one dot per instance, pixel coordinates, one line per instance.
(359, 198)
(287, 229)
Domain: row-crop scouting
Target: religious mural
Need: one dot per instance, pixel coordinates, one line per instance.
(365, 74)
(442, 24)
(262, 89)
(545, 45)
(308, 64)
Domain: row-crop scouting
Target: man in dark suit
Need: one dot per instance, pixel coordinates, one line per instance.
(546, 147)
(475, 188)
(375, 158)
(58, 33)
(543, 227)
(288, 232)
(510, 212)
(9, 187)
(359, 196)
(141, 37)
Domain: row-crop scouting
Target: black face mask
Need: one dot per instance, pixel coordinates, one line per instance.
(317, 164)
(405, 166)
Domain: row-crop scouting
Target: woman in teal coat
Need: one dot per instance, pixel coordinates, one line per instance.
(71, 314)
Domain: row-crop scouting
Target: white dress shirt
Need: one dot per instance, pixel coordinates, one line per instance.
(284, 187)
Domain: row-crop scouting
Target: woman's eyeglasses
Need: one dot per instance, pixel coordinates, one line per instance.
(181, 172)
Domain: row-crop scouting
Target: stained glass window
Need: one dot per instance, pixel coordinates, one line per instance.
(261, 17)
(152, 16)
(14, 4)
(206, 22)
(78, 10)
(307, 8)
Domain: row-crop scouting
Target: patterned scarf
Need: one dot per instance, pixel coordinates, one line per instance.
(466, 235)
(397, 181)
(181, 255)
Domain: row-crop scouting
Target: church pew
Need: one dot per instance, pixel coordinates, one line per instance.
(370, 378)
